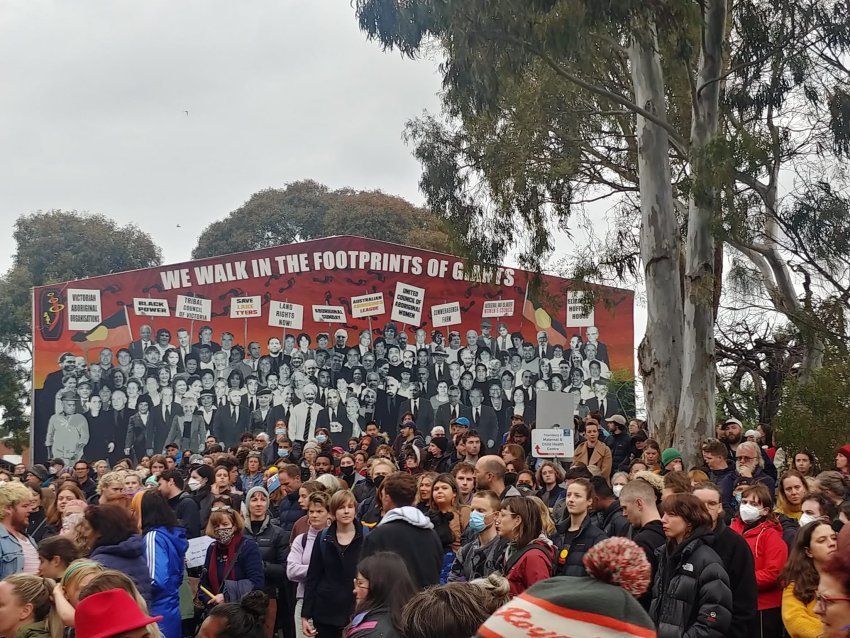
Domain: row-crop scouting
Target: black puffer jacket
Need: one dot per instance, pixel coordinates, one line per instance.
(570, 564)
(273, 543)
(690, 593)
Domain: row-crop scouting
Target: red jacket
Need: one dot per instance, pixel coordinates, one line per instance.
(534, 565)
(770, 553)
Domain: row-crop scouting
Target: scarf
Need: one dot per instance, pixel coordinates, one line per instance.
(232, 546)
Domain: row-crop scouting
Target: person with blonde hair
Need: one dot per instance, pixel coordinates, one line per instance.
(233, 565)
(28, 611)
(110, 489)
(66, 594)
(328, 596)
(18, 552)
(545, 516)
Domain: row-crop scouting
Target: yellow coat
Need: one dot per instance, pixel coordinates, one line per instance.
(799, 619)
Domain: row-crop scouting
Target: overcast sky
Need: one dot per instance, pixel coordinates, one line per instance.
(95, 94)
(277, 90)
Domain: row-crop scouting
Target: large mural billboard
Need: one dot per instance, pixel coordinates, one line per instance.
(354, 329)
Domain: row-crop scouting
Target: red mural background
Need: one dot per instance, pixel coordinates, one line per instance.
(323, 272)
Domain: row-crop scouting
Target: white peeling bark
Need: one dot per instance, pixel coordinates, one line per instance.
(696, 408)
(660, 352)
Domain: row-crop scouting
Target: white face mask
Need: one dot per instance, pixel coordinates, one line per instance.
(807, 518)
(194, 484)
(617, 489)
(748, 512)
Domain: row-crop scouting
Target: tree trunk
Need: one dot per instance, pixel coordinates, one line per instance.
(660, 352)
(696, 408)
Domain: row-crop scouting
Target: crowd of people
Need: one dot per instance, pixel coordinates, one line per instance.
(409, 522)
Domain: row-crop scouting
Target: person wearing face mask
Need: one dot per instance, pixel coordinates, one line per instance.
(757, 523)
(200, 487)
(607, 511)
(233, 565)
(271, 452)
(347, 472)
(481, 556)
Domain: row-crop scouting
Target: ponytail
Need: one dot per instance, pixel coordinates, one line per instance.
(38, 592)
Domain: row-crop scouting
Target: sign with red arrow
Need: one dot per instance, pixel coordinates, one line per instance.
(552, 443)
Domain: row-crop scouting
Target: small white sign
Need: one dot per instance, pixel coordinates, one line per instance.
(84, 310)
(445, 314)
(196, 554)
(368, 305)
(193, 308)
(552, 443)
(246, 307)
(407, 304)
(329, 314)
(286, 315)
(577, 315)
(500, 308)
(151, 307)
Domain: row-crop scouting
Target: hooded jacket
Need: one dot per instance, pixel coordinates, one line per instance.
(409, 533)
(165, 550)
(690, 592)
(128, 557)
(770, 553)
(375, 623)
(535, 563)
(34, 630)
(273, 543)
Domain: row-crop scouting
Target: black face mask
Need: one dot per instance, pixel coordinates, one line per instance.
(378, 480)
(510, 478)
(837, 525)
(347, 471)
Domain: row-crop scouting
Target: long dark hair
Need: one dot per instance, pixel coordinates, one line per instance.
(156, 512)
(111, 524)
(244, 618)
(390, 585)
(800, 568)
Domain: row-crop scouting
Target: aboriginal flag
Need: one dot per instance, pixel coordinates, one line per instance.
(113, 331)
(536, 312)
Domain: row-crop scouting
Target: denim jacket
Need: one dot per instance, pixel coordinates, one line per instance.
(11, 553)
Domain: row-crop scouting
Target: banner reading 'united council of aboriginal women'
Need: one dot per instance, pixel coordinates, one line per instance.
(360, 320)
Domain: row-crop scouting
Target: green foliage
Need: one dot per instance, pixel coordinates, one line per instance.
(14, 422)
(815, 416)
(308, 210)
(57, 246)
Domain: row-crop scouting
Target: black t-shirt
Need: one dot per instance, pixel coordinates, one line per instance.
(569, 537)
(589, 452)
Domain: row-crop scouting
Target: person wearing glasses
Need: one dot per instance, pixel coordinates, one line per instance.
(757, 523)
(690, 591)
(832, 596)
(738, 562)
(381, 588)
(749, 465)
(233, 565)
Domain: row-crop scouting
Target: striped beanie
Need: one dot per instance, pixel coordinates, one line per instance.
(570, 606)
(602, 605)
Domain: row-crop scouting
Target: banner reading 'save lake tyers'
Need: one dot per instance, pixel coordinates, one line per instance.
(344, 324)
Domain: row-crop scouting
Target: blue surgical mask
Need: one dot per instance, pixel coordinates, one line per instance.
(476, 522)
(280, 431)
(321, 438)
(738, 497)
(283, 452)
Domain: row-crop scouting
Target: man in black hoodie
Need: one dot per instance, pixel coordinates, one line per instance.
(737, 558)
(406, 531)
(639, 507)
